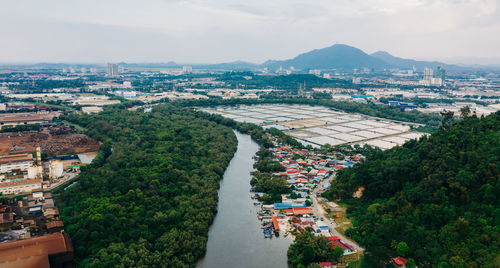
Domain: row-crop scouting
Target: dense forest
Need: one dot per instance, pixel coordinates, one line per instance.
(150, 196)
(435, 200)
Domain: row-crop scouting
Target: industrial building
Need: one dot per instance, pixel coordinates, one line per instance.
(51, 250)
(15, 162)
(22, 119)
(20, 186)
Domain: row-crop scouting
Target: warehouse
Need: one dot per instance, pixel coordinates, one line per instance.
(22, 186)
(17, 162)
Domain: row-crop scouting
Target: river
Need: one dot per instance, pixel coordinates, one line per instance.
(235, 238)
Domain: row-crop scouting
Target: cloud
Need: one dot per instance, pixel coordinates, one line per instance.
(226, 30)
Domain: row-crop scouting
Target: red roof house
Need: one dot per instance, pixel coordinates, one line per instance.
(326, 264)
(399, 261)
(275, 223)
(335, 241)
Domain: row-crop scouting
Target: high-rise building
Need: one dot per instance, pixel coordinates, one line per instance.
(428, 74)
(187, 69)
(441, 72)
(113, 70)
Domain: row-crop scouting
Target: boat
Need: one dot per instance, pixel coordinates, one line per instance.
(266, 225)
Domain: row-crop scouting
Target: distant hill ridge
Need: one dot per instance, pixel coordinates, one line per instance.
(344, 57)
(339, 56)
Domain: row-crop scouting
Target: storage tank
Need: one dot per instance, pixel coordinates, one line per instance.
(55, 169)
(32, 172)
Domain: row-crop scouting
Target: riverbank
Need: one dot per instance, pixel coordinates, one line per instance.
(234, 239)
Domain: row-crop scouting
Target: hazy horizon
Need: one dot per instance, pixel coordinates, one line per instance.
(216, 31)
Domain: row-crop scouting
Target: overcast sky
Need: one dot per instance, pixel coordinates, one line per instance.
(201, 31)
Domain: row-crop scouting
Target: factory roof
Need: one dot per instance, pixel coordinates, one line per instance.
(16, 183)
(34, 251)
(15, 158)
(9, 119)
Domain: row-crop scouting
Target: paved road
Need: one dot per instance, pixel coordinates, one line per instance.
(320, 213)
(67, 177)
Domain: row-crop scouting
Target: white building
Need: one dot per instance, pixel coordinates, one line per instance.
(15, 162)
(91, 109)
(428, 73)
(113, 70)
(32, 172)
(127, 84)
(18, 187)
(55, 169)
(95, 102)
(187, 69)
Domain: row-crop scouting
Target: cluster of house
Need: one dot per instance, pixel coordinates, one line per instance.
(310, 167)
(308, 171)
(37, 211)
(32, 234)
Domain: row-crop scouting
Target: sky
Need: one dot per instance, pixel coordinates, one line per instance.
(212, 31)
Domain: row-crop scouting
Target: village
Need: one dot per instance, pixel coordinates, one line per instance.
(309, 173)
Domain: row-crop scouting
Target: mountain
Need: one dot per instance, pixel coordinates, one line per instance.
(338, 56)
(344, 57)
(435, 200)
(396, 62)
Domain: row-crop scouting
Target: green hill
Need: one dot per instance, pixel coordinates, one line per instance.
(439, 195)
(334, 57)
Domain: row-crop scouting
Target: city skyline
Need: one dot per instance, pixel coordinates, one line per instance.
(223, 31)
